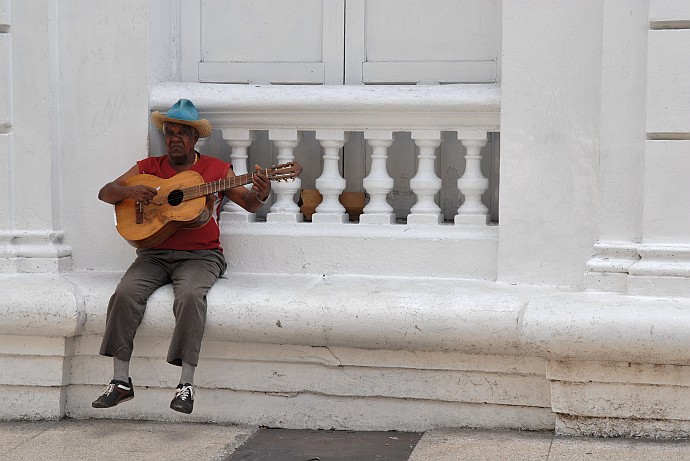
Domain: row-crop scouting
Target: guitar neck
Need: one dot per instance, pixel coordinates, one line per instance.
(213, 187)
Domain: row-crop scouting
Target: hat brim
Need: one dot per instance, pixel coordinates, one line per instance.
(203, 126)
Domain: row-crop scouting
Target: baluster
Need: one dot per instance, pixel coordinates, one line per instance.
(200, 144)
(426, 184)
(473, 184)
(330, 184)
(238, 140)
(378, 183)
(285, 209)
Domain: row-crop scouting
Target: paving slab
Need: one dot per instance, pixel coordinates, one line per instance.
(109, 440)
(116, 440)
(311, 445)
(14, 435)
(476, 445)
(600, 449)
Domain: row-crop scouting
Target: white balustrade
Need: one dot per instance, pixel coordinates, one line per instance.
(426, 184)
(239, 141)
(284, 209)
(285, 112)
(473, 184)
(330, 184)
(378, 183)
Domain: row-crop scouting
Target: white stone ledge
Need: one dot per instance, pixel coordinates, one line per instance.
(377, 313)
(608, 327)
(349, 311)
(350, 107)
(40, 305)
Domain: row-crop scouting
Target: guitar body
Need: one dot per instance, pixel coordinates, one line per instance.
(183, 201)
(163, 216)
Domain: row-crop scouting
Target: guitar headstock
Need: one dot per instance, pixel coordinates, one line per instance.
(284, 171)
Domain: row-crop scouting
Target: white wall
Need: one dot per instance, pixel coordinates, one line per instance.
(550, 127)
(549, 139)
(624, 63)
(34, 114)
(104, 128)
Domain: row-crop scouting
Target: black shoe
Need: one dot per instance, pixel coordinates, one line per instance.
(116, 392)
(184, 398)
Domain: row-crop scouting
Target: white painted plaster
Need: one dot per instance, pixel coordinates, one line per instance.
(668, 11)
(668, 110)
(5, 16)
(5, 180)
(33, 120)
(621, 168)
(550, 125)
(5, 81)
(666, 220)
(404, 250)
(104, 89)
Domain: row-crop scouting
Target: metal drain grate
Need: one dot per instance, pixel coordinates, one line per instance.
(307, 445)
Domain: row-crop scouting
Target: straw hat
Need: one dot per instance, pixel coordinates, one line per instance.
(185, 113)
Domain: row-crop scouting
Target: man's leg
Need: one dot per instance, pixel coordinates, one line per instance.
(125, 312)
(192, 278)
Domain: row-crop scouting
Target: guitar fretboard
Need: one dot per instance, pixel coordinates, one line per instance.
(213, 187)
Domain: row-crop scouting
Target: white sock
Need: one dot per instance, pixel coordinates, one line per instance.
(120, 370)
(187, 376)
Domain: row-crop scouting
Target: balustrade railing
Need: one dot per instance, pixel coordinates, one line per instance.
(286, 113)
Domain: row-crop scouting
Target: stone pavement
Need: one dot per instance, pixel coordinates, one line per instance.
(106, 440)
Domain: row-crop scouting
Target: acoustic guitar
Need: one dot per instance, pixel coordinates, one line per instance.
(183, 201)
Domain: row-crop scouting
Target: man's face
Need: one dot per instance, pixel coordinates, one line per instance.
(179, 141)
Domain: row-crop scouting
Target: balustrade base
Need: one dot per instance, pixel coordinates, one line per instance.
(358, 248)
(418, 218)
(329, 218)
(472, 219)
(377, 218)
(284, 217)
(237, 216)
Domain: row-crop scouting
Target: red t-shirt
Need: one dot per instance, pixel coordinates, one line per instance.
(207, 236)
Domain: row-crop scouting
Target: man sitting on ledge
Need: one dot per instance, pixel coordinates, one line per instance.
(191, 258)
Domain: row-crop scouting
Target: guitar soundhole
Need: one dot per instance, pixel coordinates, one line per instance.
(175, 197)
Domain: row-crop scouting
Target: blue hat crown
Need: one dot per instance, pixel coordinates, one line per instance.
(184, 109)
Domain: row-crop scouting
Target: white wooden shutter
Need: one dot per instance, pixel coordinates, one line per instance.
(263, 41)
(431, 41)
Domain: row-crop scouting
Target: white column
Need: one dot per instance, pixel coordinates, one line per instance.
(622, 145)
(285, 209)
(330, 184)
(426, 184)
(238, 140)
(378, 183)
(31, 152)
(473, 184)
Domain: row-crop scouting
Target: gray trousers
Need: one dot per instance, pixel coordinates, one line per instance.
(192, 274)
